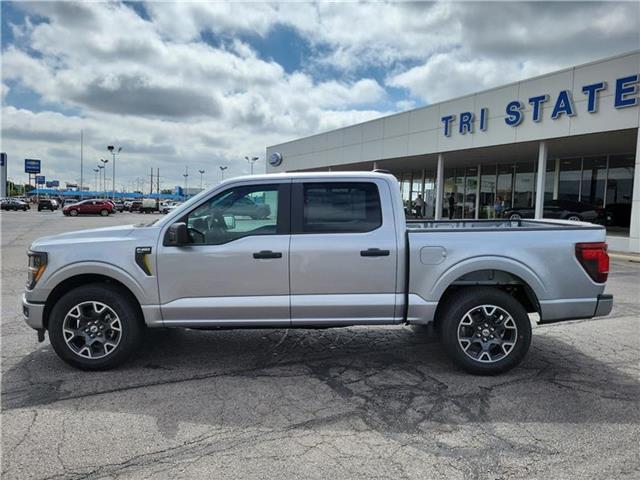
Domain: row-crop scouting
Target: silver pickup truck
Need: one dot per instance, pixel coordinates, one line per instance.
(314, 250)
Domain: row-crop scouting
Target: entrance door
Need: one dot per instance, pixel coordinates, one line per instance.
(235, 271)
(343, 253)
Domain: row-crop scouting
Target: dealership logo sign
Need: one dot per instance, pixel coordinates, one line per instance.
(275, 159)
(624, 96)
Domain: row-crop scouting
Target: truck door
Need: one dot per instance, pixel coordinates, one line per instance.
(235, 271)
(343, 253)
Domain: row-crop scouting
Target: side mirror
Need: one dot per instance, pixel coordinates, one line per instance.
(177, 234)
(230, 221)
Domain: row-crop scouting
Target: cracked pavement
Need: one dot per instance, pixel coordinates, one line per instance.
(375, 402)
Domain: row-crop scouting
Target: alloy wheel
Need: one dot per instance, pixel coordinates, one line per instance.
(92, 330)
(487, 333)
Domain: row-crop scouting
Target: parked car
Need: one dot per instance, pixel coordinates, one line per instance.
(135, 206)
(149, 205)
(562, 209)
(169, 207)
(118, 206)
(14, 204)
(102, 207)
(46, 204)
(337, 251)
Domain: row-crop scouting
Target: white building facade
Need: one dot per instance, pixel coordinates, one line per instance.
(559, 142)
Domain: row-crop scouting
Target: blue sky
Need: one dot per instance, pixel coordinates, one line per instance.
(202, 85)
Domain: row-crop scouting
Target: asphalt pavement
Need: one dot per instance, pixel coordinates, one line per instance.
(348, 403)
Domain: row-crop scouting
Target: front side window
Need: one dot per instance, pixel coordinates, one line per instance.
(341, 207)
(235, 213)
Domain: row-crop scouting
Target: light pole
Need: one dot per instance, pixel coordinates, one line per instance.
(222, 169)
(95, 177)
(251, 161)
(201, 177)
(114, 152)
(186, 176)
(104, 176)
(101, 168)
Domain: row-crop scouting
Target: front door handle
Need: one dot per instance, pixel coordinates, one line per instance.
(267, 254)
(374, 252)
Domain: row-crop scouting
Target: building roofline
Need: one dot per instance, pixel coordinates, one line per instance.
(480, 92)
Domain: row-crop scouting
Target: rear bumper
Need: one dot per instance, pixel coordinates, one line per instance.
(33, 313)
(574, 309)
(604, 306)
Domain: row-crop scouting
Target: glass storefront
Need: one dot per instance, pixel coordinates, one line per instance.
(602, 183)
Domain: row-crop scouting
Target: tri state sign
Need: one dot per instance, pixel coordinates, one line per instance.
(625, 95)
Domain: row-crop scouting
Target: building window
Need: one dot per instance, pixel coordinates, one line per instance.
(619, 191)
(594, 175)
(488, 204)
(524, 185)
(570, 179)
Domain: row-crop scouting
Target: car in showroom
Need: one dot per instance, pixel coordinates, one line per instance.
(561, 209)
(14, 205)
(95, 207)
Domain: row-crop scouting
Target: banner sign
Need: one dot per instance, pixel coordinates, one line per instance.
(31, 165)
(40, 179)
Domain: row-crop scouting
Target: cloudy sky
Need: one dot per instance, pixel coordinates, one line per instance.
(204, 85)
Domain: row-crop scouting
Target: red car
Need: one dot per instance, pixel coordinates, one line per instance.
(102, 207)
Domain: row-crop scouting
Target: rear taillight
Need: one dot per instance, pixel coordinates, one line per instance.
(594, 259)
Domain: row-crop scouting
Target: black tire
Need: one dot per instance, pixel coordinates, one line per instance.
(453, 314)
(73, 213)
(104, 212)
(116, 300)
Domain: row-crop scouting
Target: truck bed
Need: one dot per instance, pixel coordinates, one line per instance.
(500, 224)
(538, 254)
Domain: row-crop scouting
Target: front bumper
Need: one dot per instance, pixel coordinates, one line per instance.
(33, 313)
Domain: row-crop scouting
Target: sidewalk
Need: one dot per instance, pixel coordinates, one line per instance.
(629, 257)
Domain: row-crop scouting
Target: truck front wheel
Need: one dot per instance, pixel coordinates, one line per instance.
(485, 330)
(94, 327)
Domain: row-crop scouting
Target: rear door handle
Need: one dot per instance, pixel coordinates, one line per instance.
(267, 254)
(374, 252)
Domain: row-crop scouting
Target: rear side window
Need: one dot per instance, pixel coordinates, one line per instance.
(341, 207)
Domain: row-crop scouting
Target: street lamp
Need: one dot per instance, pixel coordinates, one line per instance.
(186, 176)
(251, 161)
(95, 177)
(100, 167)
(222, 169)
(201, 176)
(104, 176)
(114, 152)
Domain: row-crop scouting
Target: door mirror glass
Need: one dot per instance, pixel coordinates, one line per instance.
(177, 234)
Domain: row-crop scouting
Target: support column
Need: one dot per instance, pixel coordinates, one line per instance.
(439, 187)
(375, 165)
(477, 216)
(634, 231)
(542, 171)
(556, 180)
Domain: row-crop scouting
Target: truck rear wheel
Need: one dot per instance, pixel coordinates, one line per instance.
(94, 327)
(485, 330)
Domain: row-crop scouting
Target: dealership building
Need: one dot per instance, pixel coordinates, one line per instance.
(559, 144)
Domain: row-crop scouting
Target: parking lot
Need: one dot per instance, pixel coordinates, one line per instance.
(342, 403)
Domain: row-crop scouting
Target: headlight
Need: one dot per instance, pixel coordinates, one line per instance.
(37, 264)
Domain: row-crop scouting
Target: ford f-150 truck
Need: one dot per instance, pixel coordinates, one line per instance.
(331, 250)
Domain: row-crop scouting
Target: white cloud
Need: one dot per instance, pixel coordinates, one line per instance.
(155, 86)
